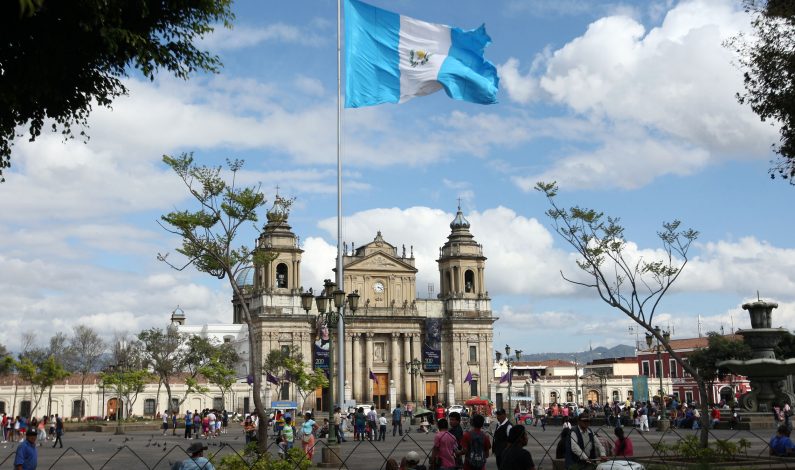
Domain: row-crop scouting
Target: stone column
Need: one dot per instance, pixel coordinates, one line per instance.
(417, 354)
(393, 396)
(356, 369)
(481, 287)
(368, 358)
(406, 375)
(450, 392)
(349, 377)
(483, 365)
(394, 359)
(456, 281)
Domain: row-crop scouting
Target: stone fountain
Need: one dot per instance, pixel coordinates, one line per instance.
(766, 373)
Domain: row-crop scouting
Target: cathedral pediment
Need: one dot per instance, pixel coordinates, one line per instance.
(380, 262)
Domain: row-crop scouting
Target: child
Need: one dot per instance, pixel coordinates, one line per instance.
(288, 433)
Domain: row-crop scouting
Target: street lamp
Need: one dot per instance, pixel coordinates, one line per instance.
(330, 307)
(509, 363)
(576, 383)
(121, 348)
(413, 367)
(658, 346)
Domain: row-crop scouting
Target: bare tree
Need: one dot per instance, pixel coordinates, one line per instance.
(634, 287)
(87, 349)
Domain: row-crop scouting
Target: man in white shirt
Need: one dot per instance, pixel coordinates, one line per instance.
(382, 427)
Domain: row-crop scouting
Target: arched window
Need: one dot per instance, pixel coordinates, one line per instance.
(616, 395)
(448, 281)
(469, 281)
(281, 275)
(553, 397)
(569, 396)
(24, 408)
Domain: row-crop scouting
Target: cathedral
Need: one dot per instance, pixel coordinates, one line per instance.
(398, 348)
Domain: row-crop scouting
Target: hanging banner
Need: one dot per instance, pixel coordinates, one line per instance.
(432, 345)
(640, 388)
(321, 347)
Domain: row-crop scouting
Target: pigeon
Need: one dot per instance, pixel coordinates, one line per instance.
(110, 439)
(84, 434)
(92, 440)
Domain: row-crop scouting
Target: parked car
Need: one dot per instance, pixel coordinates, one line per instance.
(458, 408)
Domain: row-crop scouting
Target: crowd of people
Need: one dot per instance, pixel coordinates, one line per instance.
(46, 428)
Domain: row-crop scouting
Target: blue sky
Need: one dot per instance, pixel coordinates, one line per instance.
(628, 105)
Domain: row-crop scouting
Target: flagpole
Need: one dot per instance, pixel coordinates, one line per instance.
(340, 278)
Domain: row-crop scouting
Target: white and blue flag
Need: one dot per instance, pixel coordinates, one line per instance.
(391, 58)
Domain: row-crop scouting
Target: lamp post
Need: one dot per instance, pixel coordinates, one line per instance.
(121, 348)
(331, 310)
(576, 383)
(662, 424)
(509, 363)
(413, 367)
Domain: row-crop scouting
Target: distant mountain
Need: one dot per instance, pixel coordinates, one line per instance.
(622, 350)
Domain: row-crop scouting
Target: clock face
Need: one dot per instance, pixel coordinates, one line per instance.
(378, 287)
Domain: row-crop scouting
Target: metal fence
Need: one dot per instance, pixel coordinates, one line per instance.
(655, 450)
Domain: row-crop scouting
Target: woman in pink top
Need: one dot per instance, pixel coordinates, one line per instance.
(623, 445)
(444, 447)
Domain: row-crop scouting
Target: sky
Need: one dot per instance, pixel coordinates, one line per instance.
(629, 106)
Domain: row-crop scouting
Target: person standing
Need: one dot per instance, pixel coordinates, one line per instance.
(197, 460)
(501, 434)
(583, 448)
(174, 419)
(188, 424)
(397, 420)
(27, 456)
(382, 427)
(515, 456)
(372, 422)
(475, 445)
(444, 447)
(623, 445)
(58, 431)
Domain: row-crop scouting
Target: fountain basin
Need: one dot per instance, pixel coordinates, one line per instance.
(762, 367)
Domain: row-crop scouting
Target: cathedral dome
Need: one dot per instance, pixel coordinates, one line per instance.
(460, 221)
(245, 278)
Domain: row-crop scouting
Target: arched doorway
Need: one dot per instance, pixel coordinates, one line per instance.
(726, 394)
(112, 407)
(593, 396)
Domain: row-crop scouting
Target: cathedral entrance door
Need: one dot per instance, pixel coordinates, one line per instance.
(431, 394)
(381, 391)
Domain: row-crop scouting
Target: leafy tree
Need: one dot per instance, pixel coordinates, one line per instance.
(87, 350)
(6, 361)
(768, 58)
(719, 348)
(289, 366)
(59, 59)
(220, 369)
(126, 383)
(209, 235)
(633, 287)
(161, 350)
(41, 376)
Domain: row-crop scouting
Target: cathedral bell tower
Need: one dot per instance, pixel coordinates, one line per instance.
(282, 273)
(461, 263)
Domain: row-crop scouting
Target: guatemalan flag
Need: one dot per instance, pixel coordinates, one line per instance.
(391, 58)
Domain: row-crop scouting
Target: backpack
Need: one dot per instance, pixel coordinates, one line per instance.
(476, 456)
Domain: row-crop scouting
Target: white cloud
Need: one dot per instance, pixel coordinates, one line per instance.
(244, 36)
(671, 87)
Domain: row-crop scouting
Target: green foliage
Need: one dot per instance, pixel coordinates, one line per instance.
(220, 369)
(59, 59)
(690, 448)
(127, 383)
(253, 460)
(280, 363)
(768, 59)
(719, 348)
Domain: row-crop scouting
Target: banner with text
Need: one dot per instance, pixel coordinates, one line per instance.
(432, 345)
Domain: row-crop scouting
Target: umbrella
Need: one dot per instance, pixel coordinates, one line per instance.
(419, 411)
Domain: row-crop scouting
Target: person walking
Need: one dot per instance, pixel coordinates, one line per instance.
(174, 419)
(308, 429)
(58, 431)
(27, 456)
(444, 447)
(164, 426)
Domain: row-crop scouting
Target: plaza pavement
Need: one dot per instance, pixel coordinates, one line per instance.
(150, 450)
